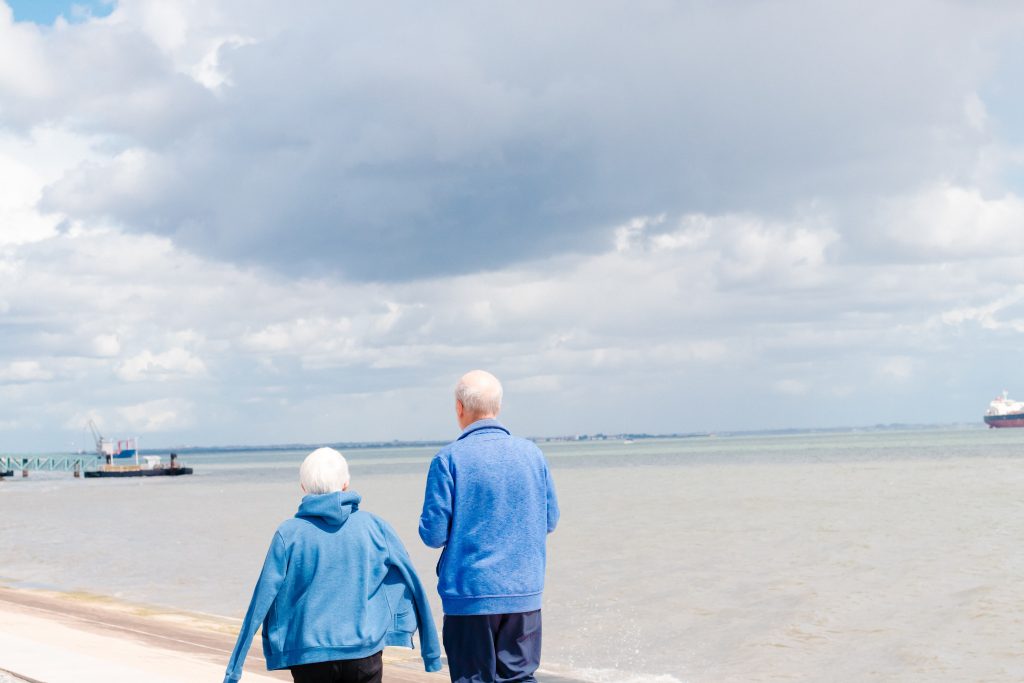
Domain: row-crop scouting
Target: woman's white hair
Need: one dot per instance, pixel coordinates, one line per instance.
(324, 471)
(479, 392)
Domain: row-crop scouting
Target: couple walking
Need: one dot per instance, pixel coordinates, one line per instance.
(338, 585)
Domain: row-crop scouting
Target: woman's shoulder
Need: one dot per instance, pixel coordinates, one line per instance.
(303, 530)
(376, 525)
(289, 527)
(369, 519)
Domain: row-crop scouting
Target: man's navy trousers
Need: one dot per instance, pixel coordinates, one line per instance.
(492, 648)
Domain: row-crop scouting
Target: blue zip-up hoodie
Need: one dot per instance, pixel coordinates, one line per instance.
(337, 584)
(490, 502)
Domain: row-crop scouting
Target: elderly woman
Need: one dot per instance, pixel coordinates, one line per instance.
(336, 587)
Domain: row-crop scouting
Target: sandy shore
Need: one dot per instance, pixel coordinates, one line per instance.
(51, 637)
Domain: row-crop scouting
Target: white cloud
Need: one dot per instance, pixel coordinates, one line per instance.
(952, 222)
(79, 421)
(162, 415)
(308, 337)
(899, 368)
(790, 255)
(27, 164)
(649, 321)
(172, 364)
(106, 345)
(661, 318)
(631, 234)
(1000, 313)
(791, 387)
(23, 69)
(209, 71)
(165, 23)
(542, 384)
(976, 112)
(24, 371)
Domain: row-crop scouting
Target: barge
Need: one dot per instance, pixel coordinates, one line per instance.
(151, 467)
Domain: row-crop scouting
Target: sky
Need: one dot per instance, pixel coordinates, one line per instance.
(45, 12)
(233, 222)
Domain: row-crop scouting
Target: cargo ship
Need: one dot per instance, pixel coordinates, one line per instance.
(1004, 412)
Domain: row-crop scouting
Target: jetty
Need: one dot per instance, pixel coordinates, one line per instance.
(46, 463)
(91, 466)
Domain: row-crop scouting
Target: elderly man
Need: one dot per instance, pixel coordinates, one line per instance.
(490, 502)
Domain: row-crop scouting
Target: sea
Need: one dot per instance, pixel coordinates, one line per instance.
(858, 556)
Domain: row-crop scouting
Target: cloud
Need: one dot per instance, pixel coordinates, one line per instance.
(163, 415)
(23, 72)
(27, 164)
(951, 222)
(1003, 313)
(209, 71)
(229, 221)
(24, 371)
(114, 320)
(899, 368)
(537, 384)
(174, 363)
(430, 143)
(791, 387)
(106, 345)
(748, 248)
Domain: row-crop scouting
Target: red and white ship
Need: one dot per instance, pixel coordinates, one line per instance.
(1004, 412)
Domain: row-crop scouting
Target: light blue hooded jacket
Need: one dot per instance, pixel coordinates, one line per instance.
(337, 584)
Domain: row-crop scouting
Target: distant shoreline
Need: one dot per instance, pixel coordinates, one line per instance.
(572, 438)
(598, 436)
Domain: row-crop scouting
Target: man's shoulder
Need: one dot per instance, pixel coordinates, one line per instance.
(490, 441)
(444, 453)
(525, 443)
(525, 447)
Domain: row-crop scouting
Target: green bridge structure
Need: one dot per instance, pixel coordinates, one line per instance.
(47, 463)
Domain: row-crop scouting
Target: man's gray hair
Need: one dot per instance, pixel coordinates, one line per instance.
(479, 392)
(324, 471)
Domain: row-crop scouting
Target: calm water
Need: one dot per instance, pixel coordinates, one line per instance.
(854, 557)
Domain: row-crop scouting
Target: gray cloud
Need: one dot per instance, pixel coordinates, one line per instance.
(385, 142)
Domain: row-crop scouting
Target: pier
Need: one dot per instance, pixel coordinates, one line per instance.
(46, 463)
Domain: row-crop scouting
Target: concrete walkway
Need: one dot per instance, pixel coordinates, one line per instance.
(60, 638)
(9, 678)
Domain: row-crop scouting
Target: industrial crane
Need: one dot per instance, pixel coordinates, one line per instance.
(97, 437)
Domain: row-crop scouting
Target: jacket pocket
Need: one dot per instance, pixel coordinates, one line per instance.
(405, 619)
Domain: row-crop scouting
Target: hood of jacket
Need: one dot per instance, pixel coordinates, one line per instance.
(333, 508)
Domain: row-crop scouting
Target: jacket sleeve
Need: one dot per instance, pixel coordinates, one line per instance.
(435, 521)
(269, 583)
(430, 648)
(553, 511)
